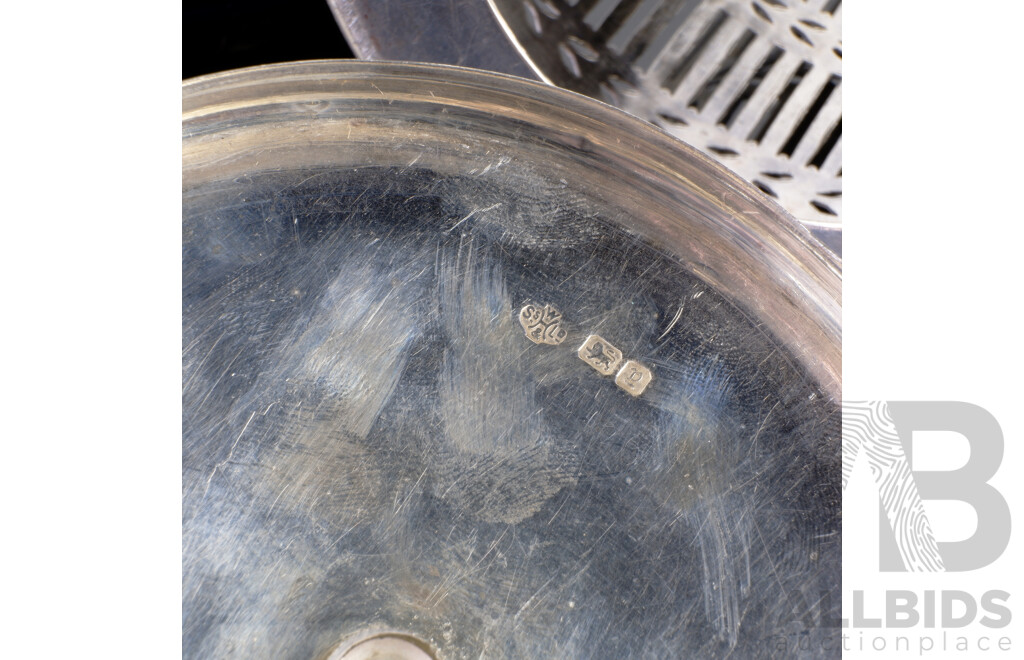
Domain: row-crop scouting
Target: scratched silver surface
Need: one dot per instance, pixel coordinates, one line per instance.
(372, 443)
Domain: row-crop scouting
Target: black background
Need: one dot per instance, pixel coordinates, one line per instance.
(228, 34)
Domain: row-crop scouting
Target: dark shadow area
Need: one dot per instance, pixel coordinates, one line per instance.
(229, 34)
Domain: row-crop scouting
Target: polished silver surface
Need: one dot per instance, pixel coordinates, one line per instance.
(374, 448)
(755, 84)
(383, 647)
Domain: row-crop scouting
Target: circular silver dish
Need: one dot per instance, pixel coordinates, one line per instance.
(379, 444)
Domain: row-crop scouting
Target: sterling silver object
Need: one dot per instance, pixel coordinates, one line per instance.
(375, 457)
(755, 84)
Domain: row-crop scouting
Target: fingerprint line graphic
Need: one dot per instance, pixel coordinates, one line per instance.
(869, 428)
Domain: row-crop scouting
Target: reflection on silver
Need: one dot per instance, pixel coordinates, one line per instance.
(383, 647)
(542, 326)
(371, 447)
(599, 354)
(633, 377)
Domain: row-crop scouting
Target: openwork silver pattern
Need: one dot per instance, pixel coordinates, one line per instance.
(756, 84)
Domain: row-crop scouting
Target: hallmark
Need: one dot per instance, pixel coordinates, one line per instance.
(542, 325)
(598, 353)
(633, 377)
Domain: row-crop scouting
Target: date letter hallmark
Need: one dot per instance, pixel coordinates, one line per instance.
(599, 354)
(633, 377)
(542, 325)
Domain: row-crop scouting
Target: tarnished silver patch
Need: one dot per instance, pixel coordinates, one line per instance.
(598, 353)
(633, 377)
(542, 325)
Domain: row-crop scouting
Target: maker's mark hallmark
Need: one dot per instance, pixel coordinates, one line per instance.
(542, 325)
(598, 353)
(633, 377)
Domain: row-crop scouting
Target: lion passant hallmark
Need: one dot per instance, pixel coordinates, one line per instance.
(600, 354)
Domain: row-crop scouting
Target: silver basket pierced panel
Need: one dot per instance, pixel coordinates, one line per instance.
(756, 85)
